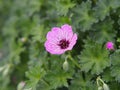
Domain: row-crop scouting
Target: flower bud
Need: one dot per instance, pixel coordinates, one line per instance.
(110, 45)
(118, 40)
(23, 39)
(21, 85)
(2, 68)
(105, 87)
(100, 88)
(6, 70)
(65, 65)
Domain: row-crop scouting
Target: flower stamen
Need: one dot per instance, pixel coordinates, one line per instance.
(64, 44)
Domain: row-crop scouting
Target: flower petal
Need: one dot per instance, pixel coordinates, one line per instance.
(67, 31)
(52, 37)
(57, 33)
(73, 41)
(66, 27)
(53, 48)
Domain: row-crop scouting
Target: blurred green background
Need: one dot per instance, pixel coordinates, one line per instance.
(23, 59)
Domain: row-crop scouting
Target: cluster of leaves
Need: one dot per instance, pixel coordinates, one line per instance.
(23, 58)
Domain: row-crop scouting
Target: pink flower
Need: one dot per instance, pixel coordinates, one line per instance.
(109, 45)
(60, 40)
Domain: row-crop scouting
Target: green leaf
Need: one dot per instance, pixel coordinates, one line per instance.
(35, 75)
(82, 83)
(94, 58)
(39, 33)
(114, 4)
(60, 7)
(115, 69)
(58, 79)
(106, 75)
(83, 16)
(119, 20)
(103, 31)
(102, 9)
(27, 7)
(63, 6)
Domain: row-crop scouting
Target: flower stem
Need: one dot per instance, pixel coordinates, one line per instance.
(45, 82)
(99, 79)
(69, 56)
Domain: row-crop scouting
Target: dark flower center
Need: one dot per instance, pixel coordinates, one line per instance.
(64, 44)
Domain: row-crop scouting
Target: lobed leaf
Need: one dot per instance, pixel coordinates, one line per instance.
(94, 58)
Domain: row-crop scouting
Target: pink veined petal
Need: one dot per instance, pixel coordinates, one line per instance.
(67, 31)
(53, 48)
(58, 33)
(52, 37)
(72, 42)
(58, 51)
(69, 35)
(66, 27)
(50, 46)
(55, 31)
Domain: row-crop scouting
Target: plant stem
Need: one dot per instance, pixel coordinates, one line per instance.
(99, 79)
(69, 56)
(45, 82)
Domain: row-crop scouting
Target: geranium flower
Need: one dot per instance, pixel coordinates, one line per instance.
(110, 45)
(60, 40)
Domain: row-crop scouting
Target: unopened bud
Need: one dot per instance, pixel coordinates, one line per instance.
(23, 39)
(110, 45)
(2, 68)
(21, 85)
(105, 87)
(65, 65)
(118, 40)
(6, 70)
(100, 88)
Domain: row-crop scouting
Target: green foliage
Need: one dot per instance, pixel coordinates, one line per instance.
(84, 17)
(35, 74)
(23, 58)
(94, 58)
(60, 79)
(102, 32)
(81, 82)
(115, 71)
(62, 6)
(103, 7)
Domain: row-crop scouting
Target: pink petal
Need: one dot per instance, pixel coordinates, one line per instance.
(73, 41)
(52, 37)
(66, 27)
(110, 45)
(57, 33)
(67, 31)
(53, 48)
(69, 35)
